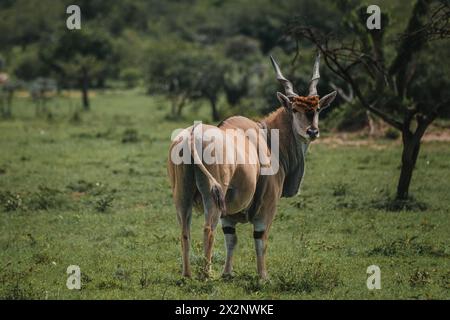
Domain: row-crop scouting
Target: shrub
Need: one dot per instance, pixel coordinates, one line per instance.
(347, 117)
(10, 201)
(46, 198)
(419, 278)
(104, 203)
(407, 246)
(314, 277)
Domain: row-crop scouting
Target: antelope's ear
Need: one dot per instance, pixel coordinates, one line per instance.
(285, 102)
(325, 101)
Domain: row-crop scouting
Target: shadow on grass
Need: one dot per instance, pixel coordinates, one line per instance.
(391, 204)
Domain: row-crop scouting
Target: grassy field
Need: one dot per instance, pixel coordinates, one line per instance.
(91, 189)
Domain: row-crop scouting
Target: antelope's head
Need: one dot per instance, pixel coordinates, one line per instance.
(304, 110)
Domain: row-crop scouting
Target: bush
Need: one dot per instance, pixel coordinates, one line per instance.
(407, 246)
(104, 203)
(347, 117)
(314, 277)
(27, 65)
(10, 201)
(419, 278)
(130, 76)
(46, 198)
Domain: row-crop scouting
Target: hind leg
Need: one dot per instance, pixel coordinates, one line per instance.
(229, 231)
(212, 215)
(183, 194)
(185, 218)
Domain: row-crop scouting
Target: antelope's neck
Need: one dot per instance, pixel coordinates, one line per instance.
(291, 150)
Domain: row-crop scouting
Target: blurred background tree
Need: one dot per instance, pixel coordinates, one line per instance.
(133, 43)
(79, 58)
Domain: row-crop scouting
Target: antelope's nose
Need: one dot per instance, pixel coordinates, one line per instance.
(312, 132)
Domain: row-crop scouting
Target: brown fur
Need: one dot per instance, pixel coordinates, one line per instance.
(309, 103)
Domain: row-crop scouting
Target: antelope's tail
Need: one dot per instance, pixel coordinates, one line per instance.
(215, 188)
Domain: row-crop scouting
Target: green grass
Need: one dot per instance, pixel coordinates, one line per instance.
(91, 189)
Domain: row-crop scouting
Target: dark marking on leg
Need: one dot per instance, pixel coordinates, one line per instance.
(258, 234)
(229, 230)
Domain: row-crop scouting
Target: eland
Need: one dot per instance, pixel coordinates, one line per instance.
(237, 191)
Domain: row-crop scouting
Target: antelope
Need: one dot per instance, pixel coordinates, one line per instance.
(238, 192)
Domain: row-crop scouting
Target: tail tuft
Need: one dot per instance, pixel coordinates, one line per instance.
(216, 192)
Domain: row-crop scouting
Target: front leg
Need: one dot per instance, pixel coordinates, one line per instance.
(229, 231)
(260, 235)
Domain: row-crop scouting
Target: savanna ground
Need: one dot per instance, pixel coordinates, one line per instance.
(91, 189)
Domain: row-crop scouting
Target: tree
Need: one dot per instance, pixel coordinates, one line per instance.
(210, 81)
(184, 72)
(79, 56)
(408, 93)
(22, 22)
(243, 53)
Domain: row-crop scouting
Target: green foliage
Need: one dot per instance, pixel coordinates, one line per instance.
(407, 246)
(80, 54)
(346, 117)
(28, 64)
(10, 201)
(185, 72)
(218, 49)
(130, 76)
(46, 198)
(314, 277)
(419, 278)
(104, 203)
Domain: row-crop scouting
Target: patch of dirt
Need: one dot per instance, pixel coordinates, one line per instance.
(379, 142)
(443, 136)
(353, 139)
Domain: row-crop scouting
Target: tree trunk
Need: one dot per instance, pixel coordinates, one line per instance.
(173, 108)
(177, 105)
(180, 105)
(411, 148)
(215, 114)
(409, 157)
(371, 123)
(84, 91)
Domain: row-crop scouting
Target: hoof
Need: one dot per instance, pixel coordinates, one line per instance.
(264, 280)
